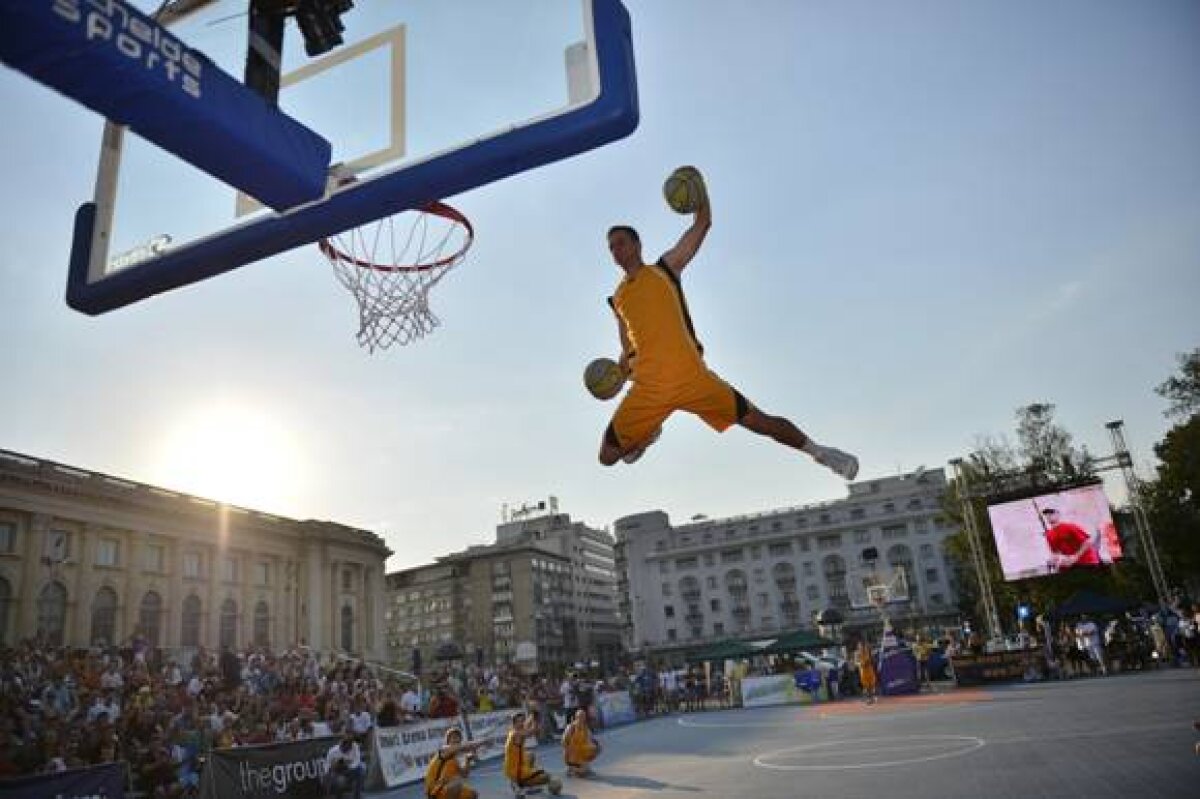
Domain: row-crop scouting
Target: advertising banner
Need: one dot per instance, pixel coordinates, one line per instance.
(107, 780)
(998, 667)
(899, 673)
(402, 753)
(773, 689)
(615, 708)
(294, 770)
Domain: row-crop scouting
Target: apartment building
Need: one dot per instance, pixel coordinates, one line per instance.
(500, 603)
(762, 574)
(595, 628)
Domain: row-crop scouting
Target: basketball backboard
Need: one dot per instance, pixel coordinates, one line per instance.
(420, 102)
(877, 587)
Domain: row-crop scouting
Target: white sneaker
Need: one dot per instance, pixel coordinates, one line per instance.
(840, 463)
(631, 457)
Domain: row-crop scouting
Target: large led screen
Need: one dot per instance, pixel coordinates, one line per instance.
(1051, 533)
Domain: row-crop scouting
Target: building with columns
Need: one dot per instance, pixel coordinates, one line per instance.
(760, 575)
(87, 558)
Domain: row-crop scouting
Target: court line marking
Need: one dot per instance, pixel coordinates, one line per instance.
(737, 725)
(802, 717)
(1057, 735)
(970, 743)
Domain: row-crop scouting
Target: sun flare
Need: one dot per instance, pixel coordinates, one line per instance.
(234, 453)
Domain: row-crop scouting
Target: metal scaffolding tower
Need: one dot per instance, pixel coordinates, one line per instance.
(970, 490)
(966, 495)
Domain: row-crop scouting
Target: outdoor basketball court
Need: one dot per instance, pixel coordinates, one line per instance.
(1123, 736)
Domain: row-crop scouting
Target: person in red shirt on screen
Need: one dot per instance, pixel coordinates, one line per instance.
(1070, 545)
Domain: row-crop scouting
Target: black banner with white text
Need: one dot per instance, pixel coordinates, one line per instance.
(295, 770)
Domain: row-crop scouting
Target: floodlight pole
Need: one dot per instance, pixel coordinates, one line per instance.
(991, 616)
(1122, 460)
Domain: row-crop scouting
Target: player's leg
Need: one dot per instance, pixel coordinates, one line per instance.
(782, 430)
(720, 405)
(636, 424)
(612, 450)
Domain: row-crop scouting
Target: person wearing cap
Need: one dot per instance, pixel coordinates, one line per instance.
(445, 778)
(344, 768)
(1070, 545)
(580, 748)
(520, 766)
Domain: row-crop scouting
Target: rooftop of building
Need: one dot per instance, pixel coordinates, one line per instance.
(59, 476)
(919, 481)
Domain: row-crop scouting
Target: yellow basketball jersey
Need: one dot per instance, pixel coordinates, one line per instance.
(655, 313)
(577, 743)
(514, 755)
(440, 771)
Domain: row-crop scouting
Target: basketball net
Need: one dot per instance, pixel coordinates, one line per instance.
(390, 266)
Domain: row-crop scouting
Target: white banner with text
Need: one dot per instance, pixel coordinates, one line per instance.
(402, 753)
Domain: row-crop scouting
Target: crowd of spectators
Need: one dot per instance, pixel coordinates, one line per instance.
(1135, 641)
(161, 714)
(67, 708)
(64, 708)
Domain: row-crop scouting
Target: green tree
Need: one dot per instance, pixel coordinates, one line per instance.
(1046, 447)
(1183, 390)
(1173, 498)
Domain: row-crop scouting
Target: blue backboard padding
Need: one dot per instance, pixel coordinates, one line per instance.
(612, 116)
(121, 64)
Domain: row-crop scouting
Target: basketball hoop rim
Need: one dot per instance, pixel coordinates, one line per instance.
(436, 208)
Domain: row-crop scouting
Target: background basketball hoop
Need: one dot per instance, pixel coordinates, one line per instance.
(390, 267)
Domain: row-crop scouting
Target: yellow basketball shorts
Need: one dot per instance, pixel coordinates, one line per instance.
(646, 406)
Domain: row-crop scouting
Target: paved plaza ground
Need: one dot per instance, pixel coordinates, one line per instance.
(1127, 736)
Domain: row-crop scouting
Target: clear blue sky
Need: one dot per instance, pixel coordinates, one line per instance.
(926, 215)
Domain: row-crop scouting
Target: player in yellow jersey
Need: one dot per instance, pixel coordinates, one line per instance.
(665, 361)
(580, 748)
(445, 778)
(520, 765)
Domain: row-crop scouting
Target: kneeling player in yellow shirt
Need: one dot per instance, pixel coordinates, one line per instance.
(520, 766)
(445, 778)
(579, 747)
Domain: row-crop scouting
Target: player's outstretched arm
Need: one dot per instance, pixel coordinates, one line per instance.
(689, 243)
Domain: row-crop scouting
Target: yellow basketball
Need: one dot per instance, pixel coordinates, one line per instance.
(603, 378)
(684, 190)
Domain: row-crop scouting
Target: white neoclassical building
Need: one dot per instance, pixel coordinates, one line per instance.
(90, 558)
(764, 574)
